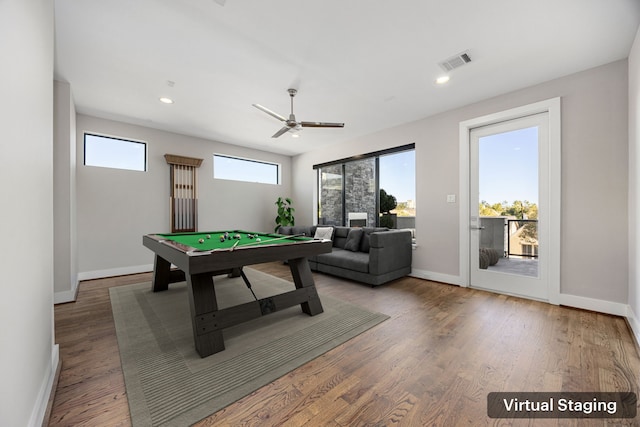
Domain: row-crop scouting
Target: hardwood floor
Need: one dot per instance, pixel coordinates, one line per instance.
(431, 364)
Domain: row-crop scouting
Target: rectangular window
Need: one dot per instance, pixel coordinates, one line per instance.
(117, 153)
(374, 189)
(237, 169)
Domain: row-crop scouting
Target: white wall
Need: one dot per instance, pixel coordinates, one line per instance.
(28, 357)
(634, 186)
(117, 207)
(65, 266)
(594, 180)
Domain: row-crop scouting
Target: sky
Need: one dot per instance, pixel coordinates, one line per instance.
(225, 167)
(509, 166)
(398, 175)
(114, 153)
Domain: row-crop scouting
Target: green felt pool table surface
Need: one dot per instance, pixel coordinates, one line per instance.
(211, 240)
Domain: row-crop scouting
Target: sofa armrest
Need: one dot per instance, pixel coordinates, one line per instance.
(390, 251)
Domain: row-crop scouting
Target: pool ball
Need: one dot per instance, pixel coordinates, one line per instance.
(200, 240)
(222, 239)
(208, 236)
(237, 236)
(257, 239)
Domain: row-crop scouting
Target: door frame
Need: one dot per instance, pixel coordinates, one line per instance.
(553, 108)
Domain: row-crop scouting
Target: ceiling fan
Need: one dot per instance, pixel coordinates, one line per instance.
(292, 124)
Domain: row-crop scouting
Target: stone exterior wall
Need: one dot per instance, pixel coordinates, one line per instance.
(359, 187)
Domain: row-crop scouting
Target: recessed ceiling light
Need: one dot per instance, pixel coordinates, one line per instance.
(295, 135)
(442, 80)
(166, 100)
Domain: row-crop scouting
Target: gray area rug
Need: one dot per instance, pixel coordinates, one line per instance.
(168, 384)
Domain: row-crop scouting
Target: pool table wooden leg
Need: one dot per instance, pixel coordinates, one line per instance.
(161, 274)
(202, 299)
(303, 278)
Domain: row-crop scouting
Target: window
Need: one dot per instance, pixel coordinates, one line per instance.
(117, 153)
(350, 190)
(398, 180)
(237, 169)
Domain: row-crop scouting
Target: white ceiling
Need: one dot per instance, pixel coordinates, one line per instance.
(368, 63)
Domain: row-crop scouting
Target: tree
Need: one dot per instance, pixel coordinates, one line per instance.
(387, 202)
(485, 209)
(518, 209)
(522, 210)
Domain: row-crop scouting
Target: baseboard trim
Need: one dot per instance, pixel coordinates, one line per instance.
(601, 306)
(634, 326)
(66, 296)
(52, 394)
(112, 272)
(39, 415)
(436, 277)
(575, 301)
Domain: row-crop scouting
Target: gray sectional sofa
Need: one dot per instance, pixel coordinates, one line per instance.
(370, 255)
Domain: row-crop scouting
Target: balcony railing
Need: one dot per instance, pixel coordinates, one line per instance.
(510, 237)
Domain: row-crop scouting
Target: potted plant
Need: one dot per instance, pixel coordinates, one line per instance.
(387, 204)
(285, 213)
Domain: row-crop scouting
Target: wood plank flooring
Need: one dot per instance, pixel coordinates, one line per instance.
(431, 364)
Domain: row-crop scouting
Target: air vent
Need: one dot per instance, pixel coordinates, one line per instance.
(456, 61)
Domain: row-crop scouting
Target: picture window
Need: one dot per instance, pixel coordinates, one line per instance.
(247, 170)
(117, 153)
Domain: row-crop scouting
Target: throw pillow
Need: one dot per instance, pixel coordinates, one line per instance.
(324, 233)
(353, 239)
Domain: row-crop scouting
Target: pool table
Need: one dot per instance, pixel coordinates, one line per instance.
(199, 256)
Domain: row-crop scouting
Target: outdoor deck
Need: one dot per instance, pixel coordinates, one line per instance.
(520, 266)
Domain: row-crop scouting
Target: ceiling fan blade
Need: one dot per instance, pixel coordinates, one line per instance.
(269, 112)
(321, 125)
(281, 132)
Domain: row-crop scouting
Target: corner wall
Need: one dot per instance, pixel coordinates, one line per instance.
(65, 265)
(28, 358)
(634, 187)
(594, 267)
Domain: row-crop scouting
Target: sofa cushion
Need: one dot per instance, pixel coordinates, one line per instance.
(353, 240)
(364, 242)
(324, 233)
(356, 261)
(340, 234)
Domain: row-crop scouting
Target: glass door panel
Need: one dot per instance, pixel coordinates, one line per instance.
(507, 251)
